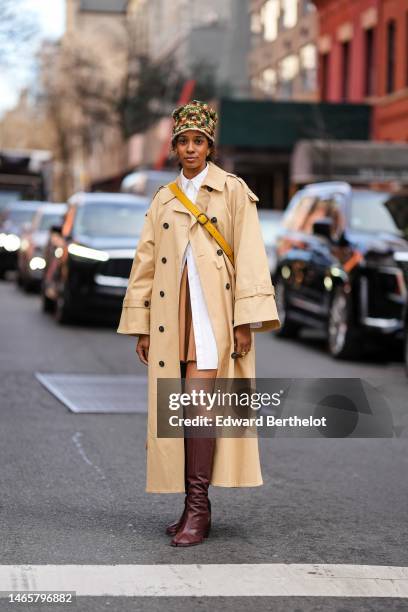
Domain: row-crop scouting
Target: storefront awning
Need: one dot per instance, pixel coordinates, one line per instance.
(280, 125)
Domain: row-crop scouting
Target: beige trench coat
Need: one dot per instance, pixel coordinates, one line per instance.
(233, 297)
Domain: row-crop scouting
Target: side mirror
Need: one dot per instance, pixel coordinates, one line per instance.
(323, 227)
(343, 241)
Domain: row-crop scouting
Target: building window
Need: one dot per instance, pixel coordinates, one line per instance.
(324, 82)
(307, 55)
(369, 66)
(290, 16)
(269, 81)
(256, 23)
(270, 17)
(345, 69)
(288, 70)
(391, 30)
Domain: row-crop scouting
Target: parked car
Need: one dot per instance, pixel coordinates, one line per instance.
(31, 261)
(406, 339)
(342, 265)
(270, 221)
(89, 258)
(7, 197)
(13, 219)
(146, 182)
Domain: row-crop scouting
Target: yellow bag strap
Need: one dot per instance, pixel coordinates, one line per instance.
(203, 220)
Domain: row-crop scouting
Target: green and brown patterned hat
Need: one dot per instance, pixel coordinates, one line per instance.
(195, 115)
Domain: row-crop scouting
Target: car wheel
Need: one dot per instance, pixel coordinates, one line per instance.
(63, 309)
(406, 350)
(27, 285)
(288, 328)
(47, 304)
(342, 338)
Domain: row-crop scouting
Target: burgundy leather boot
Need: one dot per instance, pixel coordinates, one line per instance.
(197, 521)
(172, 528)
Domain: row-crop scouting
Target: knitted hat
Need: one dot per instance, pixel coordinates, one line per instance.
(195, 115)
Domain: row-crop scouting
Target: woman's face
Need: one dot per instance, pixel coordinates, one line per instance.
(192, 148)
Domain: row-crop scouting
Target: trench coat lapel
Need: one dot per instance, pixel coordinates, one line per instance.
(203, 199)
(169, 199)
(177, 205)
(215, 179)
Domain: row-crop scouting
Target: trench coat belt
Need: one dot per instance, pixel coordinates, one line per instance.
(203, 220)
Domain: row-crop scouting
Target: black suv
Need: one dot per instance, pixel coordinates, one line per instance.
(13, 219)
(406, 336)
(89, 258)
(343, 265)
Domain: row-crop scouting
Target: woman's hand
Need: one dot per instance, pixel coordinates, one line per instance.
(142, 348)
(242, 338)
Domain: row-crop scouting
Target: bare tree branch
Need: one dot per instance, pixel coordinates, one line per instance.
(17, 29)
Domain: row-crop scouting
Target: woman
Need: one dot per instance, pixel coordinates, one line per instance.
(185, 293)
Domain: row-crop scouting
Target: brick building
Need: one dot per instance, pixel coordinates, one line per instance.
(282, 58)
(347, 49)
(391, 108)
(363, 57)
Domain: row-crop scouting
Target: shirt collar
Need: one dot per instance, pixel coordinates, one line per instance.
(196, 180)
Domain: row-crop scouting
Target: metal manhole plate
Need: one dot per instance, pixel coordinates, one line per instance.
(96, 393)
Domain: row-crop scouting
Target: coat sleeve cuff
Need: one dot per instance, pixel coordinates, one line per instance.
(134, 320)
(257, 308)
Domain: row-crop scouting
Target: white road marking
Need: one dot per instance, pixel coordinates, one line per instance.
(81, 452)
(76, 440)
(239, 580)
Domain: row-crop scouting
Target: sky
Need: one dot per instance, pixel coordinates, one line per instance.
(51, 19)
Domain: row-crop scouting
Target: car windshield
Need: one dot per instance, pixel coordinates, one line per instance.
(6, 197)
(270, 225)
(49, 219)
(111, 220)
(21, 215)
(146, 182)
(373, 211)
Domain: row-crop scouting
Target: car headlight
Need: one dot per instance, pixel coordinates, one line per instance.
(11, 242)
(37, 263)
(87, 253)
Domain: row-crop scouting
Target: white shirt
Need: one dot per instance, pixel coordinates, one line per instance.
(206, 346)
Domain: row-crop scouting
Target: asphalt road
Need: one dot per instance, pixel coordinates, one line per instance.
(72, 485)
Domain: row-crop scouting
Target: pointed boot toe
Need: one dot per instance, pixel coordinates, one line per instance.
(197, 523)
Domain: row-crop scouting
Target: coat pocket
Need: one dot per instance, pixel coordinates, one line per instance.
(255, 290)
(136, 302)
